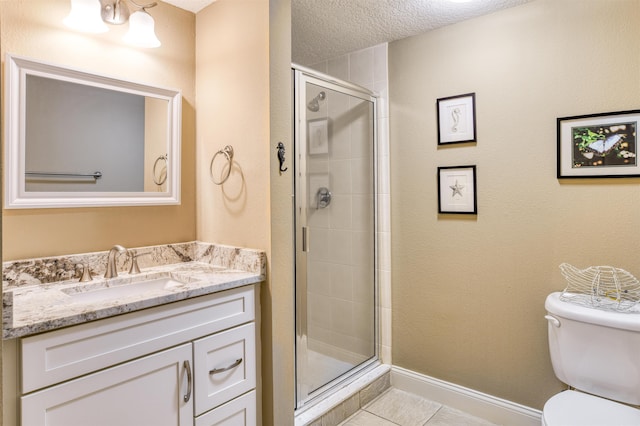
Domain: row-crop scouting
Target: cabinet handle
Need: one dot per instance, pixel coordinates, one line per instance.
(220, 370)
(187, 367)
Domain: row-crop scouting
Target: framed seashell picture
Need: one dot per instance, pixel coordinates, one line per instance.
(598, 145)
(457, 119)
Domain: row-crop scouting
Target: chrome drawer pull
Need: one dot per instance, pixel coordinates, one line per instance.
(220, 370)
(187, 367)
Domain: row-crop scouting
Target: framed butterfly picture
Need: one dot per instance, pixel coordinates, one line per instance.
(599, 145)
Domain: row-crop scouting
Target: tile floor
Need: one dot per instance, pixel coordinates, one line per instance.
(395, 407)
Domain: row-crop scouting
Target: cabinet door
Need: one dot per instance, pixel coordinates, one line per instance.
(149, 391)
(239, 412)
(224, 366)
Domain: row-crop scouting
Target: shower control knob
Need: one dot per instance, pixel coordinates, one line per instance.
(323, 197)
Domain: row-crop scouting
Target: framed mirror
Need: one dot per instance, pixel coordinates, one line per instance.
(78, 139)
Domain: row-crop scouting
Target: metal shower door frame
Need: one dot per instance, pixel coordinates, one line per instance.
(302, 76)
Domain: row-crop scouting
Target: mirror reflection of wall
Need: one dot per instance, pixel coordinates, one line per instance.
(155, 145)
(78, 129)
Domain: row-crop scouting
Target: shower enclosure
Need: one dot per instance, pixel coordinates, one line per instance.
(335, 232)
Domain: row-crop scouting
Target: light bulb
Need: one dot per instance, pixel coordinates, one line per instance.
(85, 16)
(141, 30)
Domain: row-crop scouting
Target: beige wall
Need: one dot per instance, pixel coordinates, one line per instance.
(232, 72)
(468, 292)
(278, 295)
(34, 28)
(233, 96)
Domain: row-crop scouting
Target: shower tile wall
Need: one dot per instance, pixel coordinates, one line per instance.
(367, 68)
(340, 275)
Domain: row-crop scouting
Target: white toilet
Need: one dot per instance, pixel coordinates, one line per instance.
(597, 353)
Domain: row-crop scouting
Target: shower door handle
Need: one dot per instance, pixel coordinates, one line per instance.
(305, 239)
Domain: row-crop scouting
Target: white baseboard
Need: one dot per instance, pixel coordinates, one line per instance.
(495, 410)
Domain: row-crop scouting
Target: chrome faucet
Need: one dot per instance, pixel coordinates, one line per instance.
(112, 267)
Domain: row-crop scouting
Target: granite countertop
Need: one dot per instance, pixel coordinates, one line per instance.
(36, 309)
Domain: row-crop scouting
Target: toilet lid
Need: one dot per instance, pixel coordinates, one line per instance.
(571, 408)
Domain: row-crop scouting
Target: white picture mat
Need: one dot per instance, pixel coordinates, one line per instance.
(456, 119)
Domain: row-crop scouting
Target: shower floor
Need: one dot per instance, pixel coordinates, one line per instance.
(321, 369)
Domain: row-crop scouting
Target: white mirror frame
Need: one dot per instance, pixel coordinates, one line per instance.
(16, 197)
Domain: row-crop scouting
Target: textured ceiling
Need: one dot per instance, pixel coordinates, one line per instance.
(324, 29)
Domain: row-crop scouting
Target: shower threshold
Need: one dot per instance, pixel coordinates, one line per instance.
(348, 396)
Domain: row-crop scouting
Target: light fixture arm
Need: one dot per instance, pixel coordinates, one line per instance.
(91, 16)
(144, 6)
(116, 12)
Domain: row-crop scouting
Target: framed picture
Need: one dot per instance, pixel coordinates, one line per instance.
(598, 145)
(318, 136)
(457, 190)
(457, 119)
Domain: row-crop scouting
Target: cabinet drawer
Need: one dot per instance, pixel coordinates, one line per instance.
(149, 391)
(239, 412)
(60, 355)
(224, 366)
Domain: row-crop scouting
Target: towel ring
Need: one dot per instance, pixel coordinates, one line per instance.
(162, 179)
(227, 151)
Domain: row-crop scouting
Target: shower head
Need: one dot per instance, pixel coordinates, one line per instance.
(314, 104)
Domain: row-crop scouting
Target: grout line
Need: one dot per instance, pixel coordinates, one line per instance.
(434, 414)
(373, 414)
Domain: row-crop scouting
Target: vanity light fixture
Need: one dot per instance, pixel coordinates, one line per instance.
(91, 16)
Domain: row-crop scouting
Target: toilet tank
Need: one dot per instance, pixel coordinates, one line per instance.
(595, 351)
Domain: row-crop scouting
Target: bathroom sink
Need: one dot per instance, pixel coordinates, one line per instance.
(124, 290)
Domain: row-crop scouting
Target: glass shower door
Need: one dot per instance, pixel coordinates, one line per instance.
(335, 234)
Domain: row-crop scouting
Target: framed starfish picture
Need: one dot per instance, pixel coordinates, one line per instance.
(457, 190)
(457, 119)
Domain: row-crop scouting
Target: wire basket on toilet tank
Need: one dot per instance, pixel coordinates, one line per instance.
(601, 287)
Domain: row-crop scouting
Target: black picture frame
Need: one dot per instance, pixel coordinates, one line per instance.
(456, 119)
(457, 190)
(603, 145)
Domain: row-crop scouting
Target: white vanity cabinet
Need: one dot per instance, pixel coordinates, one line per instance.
(184, 363)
